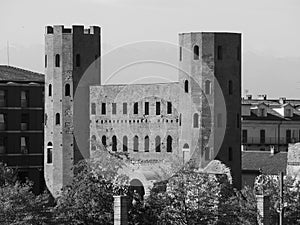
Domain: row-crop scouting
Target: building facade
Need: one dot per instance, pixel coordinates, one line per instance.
(185, 120)
(21, 123)
(269, 124)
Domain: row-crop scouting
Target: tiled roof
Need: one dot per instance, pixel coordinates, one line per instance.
(264, 161)
(14, 74)
(271, 102)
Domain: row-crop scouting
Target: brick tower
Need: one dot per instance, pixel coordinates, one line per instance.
(210, 77)
(69, 52)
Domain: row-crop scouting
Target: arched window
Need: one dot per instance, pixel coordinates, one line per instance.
(186, 146)
(93, 143)
(157, 144)
(67, 90)
(186, 86)
(77, 60)
(50, 90)
(49, 152)
(135, 108)
(114, 143)
(45, 61)
(196, 52)
(230, 87)
(169, 144)
(103, 140)
(135, 143)
(147, 143)
(57, 119)
(57, 60)
(208, 87)
(180, 53)
(125, 144)
(196, 120)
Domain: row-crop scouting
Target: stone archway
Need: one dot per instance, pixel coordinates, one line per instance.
(136, 186)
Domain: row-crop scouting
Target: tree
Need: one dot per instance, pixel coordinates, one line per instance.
(89, 198)
(18, 205)
(196, 197)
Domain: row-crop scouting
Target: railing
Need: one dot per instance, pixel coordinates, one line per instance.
(268, 141)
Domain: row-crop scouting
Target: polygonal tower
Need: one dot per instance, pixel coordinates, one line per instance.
(210, 108)
(68, 54)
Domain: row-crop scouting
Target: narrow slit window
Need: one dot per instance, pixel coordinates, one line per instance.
(196, 120)
(103, 140)
(135, 108)
(186, 86)
(157, 144)
(135, 143)
(147, 143)
(57, 119)
(50, 90)
(57, 60)
(45, 61)
(124, 108)
(114, 143)
(67, 90)
(125, 144)
(169, 144)
(93, 108)
(146, 108)
(169, 107)
(196, 52)
(157, 108)
(103, 108)
(49, 152)
(208, 87)
(114, 108)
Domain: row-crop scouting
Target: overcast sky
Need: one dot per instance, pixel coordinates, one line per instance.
(270, 28)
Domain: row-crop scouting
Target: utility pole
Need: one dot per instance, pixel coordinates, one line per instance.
(281, 206)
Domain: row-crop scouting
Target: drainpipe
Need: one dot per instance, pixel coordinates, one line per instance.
(280, 122)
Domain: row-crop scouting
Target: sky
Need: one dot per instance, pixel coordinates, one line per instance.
(270, 30)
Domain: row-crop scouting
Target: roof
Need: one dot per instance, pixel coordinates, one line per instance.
(264, 161)
(14, 74)
(271, 102)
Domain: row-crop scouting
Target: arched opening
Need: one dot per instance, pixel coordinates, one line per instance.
(77, 60)
(147, 142)
(103, 140)
(57, 119)
(93, 143)
(114, 143)
(196, 120)
(169, 144)
(45, 61)
(208, 87)
(196, 52)
(50, 90)
(136, 189)
(186, 86)
(135, 143)
(125, 144)
(157, 143)
(186, 146)
(57, 60)
(67, 90)
(49, 152)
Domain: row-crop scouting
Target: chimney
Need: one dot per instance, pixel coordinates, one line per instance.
(263, 207)
(249, 97)
(282, 100)
(262, 97)
(120, 210)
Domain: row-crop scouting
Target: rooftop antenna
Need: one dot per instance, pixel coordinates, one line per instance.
(7, 53)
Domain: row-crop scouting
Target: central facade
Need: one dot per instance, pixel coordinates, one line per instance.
(195, 119)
